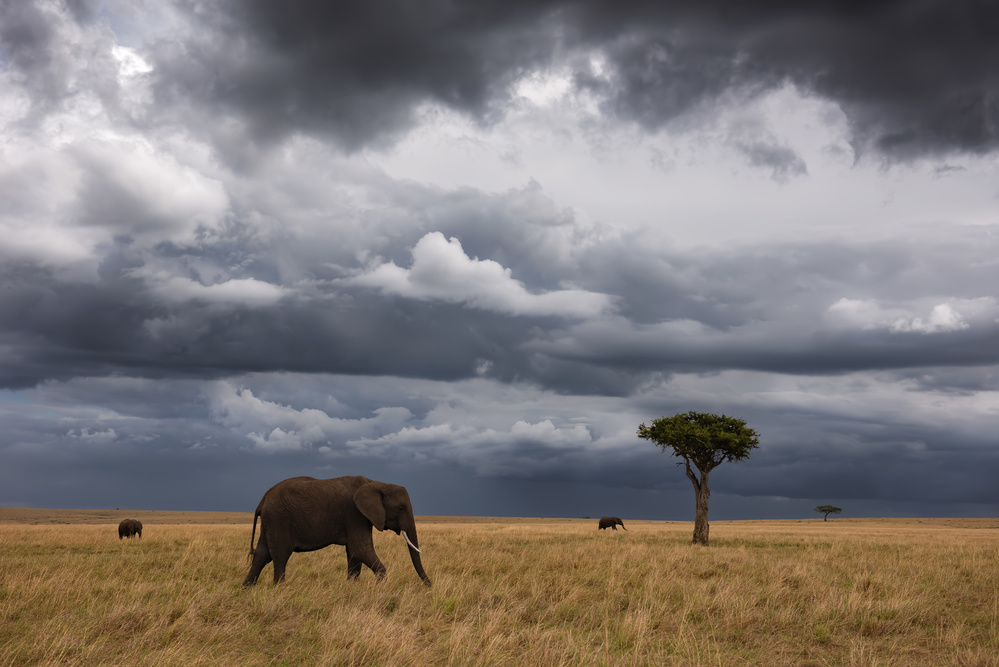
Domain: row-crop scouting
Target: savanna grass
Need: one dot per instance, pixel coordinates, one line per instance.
(511, 592)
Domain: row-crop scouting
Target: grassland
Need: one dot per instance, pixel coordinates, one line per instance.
(506, 592)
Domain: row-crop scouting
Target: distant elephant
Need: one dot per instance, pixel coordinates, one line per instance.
(129, 527)
(305, 514)
(611, 522)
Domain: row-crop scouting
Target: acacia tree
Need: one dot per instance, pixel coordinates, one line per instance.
(704, 440)
(827, 510)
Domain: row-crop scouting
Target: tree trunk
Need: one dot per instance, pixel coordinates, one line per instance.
(701, 494)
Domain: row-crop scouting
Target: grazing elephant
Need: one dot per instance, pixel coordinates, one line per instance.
(129, 527)
(305, 514)
(611, 522)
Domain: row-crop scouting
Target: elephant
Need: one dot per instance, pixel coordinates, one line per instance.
(611, 522)
(306, 514)
(129, 527)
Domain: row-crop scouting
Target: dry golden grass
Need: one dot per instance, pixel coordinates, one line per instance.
(508, 592)
(53, 516)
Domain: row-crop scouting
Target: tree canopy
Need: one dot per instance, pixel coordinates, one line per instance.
(702, 438)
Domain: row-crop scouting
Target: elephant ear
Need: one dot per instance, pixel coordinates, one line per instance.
(369, 501)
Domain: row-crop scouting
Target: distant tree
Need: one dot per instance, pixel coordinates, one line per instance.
(827, 510)
(704, 440)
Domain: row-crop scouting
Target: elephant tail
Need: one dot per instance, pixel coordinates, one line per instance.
(253, 533)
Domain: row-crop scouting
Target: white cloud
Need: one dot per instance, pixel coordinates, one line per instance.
(856, 313)
(868, 314)
(545, 87)
(104, 437)
(546, 432)
(129, 186)
(942, 318)
(442, 271)
(66, 198)
(277, 440)
(519, 449)
(130, 63)
(274, 427)
(245, 291)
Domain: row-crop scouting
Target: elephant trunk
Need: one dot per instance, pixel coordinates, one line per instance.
(413, 543)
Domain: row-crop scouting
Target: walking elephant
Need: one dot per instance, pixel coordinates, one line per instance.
(306, 514)
(129, 527)
(611, 522)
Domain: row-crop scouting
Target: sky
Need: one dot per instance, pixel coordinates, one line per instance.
(469, 247)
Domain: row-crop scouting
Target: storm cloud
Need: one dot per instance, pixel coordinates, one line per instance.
(912, 78)
(473, 246)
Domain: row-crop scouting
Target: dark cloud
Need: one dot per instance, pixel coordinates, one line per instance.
(914, 79)
(179, 333)
(352, 70)
(847, 308)
(27, 38)
(960, 380)
(853, 461)
(84, 10)
(782, 162)
(166, 446)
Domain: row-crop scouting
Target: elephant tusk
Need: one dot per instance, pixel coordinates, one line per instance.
(411, 545)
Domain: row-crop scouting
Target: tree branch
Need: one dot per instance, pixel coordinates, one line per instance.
(691, 476)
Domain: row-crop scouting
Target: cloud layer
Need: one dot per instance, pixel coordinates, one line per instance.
(473, 246)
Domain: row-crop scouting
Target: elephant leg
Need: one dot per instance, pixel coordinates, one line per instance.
(376, 566)
(280, 556)
(261, 557)
(364, 551)
(614, 527)
(353, 566)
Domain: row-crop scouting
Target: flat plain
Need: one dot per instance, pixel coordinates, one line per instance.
(507, 591)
